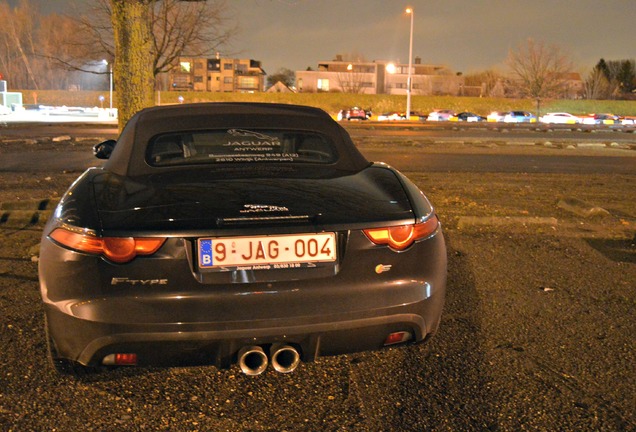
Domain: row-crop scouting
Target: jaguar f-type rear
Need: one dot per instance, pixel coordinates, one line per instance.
(237, 233)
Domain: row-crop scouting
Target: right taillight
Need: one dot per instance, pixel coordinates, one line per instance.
(402, 236)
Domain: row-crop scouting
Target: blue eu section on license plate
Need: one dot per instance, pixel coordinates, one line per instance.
(205, 253)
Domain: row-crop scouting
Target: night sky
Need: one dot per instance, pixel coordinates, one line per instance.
(467, 36)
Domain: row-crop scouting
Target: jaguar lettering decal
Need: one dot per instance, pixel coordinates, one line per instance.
(262, 208)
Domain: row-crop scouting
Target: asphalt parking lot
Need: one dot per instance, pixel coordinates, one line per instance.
(537, 332)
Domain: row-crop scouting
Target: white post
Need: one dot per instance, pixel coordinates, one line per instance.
(411, 12)
(110, 98)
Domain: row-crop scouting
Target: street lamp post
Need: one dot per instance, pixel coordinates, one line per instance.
(110, 87)
(110, 84)
(411, 12)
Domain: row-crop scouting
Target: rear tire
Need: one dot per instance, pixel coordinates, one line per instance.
(61, 365)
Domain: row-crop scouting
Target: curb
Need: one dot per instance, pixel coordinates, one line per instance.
(18, 214)
(22, 218)
(581, 208)
(468, 221)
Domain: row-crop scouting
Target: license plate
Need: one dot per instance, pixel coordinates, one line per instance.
(266, 252)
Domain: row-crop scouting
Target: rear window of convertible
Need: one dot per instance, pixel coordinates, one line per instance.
(240, 146)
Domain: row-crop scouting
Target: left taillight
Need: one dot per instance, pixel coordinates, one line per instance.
(400, 237)
(116, 249)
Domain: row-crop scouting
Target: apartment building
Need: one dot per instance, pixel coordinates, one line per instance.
(218, 75)
(379, 77)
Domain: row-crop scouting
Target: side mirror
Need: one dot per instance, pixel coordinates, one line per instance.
(104, 149)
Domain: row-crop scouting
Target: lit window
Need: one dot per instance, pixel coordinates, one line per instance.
(248, 82)
(323, 84)
(185, 66)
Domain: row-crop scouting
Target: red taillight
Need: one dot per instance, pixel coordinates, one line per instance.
(402, 236)
(120, 359)
(398, 337)
(116, 249)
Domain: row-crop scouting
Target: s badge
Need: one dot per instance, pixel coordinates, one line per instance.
(382, 268)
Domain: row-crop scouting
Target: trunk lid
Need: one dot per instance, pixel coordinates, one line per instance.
(205, 200)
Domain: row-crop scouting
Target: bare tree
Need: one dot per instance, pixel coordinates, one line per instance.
(148, 36)
(352, 81)
(353, 75)
(489, 82)
(52, 35)
(16, 34)
(540, 71)
(596, 85)
(177, 28)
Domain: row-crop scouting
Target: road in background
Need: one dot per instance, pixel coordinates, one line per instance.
(428, 148)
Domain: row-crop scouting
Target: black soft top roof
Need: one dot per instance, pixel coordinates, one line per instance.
(128, 158)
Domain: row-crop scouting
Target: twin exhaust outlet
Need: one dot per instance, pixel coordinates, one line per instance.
(253, 361)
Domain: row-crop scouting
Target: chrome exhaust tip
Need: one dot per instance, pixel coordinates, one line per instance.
(252, 360)
(285, 358)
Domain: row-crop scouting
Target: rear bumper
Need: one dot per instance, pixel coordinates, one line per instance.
(88, 342)
(186, 322)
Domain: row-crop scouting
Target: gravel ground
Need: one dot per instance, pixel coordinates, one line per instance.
(537, 334)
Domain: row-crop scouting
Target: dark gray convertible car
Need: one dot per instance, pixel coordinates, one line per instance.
(246, 233)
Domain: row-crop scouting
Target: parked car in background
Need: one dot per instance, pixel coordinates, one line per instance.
(519, 117)
(237, 233)
(467, 117)
(560, 118)
(601, 119)
(392, 116)
(354, 113)
(440, 115)
(496, 116)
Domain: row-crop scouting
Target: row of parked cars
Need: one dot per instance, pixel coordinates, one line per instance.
(356, 113)
(528, 117)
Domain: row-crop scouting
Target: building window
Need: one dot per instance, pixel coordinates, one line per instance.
(227, 66)
(227, 80)
(364, 69)
(248, 82)
(214, 65)
(198, 79)
(185, 66)
(323, 84)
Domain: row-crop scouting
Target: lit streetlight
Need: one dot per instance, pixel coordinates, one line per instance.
(411, 12)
